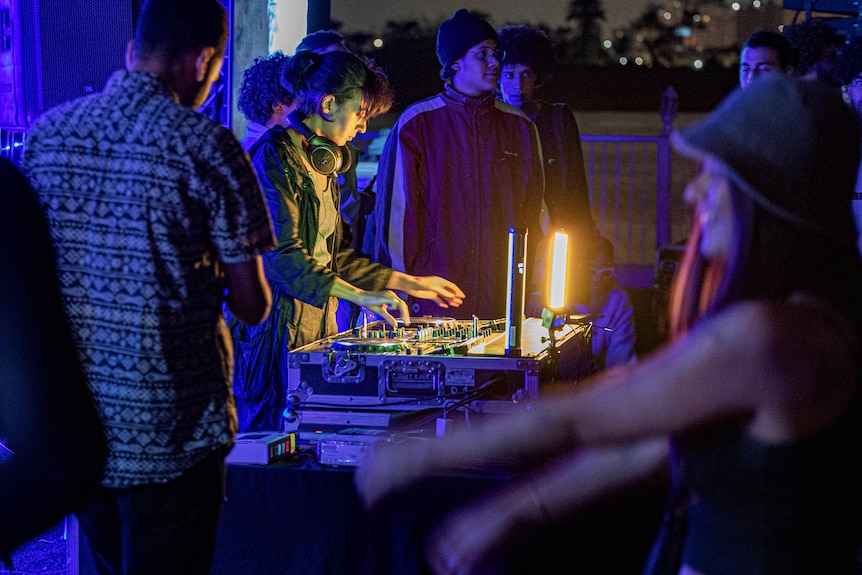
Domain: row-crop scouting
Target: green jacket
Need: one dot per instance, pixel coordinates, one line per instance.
(302, 311)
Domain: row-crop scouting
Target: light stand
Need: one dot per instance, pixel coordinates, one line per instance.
(515, 288)
(555, 314)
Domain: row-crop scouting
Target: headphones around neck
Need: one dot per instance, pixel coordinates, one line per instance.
(325, 155)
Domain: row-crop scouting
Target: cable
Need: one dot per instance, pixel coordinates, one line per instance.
(494, 384)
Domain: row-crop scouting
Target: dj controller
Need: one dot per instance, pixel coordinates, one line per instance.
(366, 376)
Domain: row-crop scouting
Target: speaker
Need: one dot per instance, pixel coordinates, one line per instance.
(53, 51)
(326, 156)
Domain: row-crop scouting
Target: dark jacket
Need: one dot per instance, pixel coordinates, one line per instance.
(455, 174)
(566, 192)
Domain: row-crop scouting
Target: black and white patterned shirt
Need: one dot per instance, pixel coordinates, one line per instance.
(143, 196)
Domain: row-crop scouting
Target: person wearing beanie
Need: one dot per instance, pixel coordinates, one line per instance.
(754, 406)
(457, 171)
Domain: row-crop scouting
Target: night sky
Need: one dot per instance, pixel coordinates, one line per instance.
(371, 15)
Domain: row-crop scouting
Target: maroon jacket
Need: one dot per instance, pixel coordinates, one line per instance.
(455, 174)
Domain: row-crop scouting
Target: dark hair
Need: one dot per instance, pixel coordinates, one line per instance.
(261, 88)
(319, 40)
(309, 76)
(528, 46)
(849, 63)
(769, 39)
(809, 38)
(172, 28)
(447, 72)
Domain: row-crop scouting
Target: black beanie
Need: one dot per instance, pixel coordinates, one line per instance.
(460, 33)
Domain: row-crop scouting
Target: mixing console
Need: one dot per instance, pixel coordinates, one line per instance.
(424, 336)
(353, 378)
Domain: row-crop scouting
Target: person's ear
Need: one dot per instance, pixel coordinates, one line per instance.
(202, 62)
(327, 107)
(130, 54)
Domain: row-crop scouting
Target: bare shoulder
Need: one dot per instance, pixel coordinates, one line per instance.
(782, 324)
(802, 351)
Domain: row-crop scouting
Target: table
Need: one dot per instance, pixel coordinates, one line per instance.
(297, 517)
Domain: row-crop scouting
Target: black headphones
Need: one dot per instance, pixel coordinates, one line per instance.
(325, 155)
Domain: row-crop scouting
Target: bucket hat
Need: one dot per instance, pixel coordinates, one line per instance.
(793, 146)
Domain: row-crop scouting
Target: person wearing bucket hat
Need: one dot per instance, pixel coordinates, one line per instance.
(755, 402)
(457, 171)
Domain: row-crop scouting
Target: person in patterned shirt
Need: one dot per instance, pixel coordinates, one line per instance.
(156, 217)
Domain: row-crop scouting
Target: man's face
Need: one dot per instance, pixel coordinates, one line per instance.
(518, 84)
(755, 62)
(477, 71)
(854, 94)
(197, 98)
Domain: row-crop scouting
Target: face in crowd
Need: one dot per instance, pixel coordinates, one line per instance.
(757, 62)
(478, 71)
(518, 85)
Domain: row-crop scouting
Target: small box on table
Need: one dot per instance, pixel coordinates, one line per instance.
(261, 447)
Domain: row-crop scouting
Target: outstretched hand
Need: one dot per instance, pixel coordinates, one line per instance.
(468, 539)
(433, 288)
(387, 469)
(382, 303)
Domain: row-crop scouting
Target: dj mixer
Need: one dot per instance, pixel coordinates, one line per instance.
(363, 377)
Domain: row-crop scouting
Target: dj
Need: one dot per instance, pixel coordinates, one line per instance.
(297, 164)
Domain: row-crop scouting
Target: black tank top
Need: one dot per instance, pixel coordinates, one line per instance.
(764, 508)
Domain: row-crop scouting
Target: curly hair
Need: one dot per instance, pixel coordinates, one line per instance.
(261, 88)
(809, 38)
(310, 76)
(849, 63)
(528, 46)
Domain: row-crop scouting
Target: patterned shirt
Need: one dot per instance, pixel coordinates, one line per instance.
(143, 197)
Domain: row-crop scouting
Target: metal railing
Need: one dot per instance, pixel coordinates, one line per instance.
(635, 188)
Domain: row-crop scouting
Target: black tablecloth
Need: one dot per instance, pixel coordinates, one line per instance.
(297, 517)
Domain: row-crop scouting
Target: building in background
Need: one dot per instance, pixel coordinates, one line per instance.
(695, 33)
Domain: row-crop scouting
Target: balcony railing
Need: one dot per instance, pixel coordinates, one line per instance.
(635, 186)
